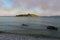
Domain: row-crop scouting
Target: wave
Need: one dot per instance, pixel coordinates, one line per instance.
(36, 33)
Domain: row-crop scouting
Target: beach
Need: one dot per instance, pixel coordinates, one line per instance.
(9, 36)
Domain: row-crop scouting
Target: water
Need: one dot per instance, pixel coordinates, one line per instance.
(15, 23)
(33, 22)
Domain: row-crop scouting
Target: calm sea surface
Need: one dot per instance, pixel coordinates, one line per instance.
(15, 23)
(10, 23)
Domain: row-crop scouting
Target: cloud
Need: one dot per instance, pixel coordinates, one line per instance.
(40, 7)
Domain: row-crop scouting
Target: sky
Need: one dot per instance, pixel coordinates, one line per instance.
(39, 7)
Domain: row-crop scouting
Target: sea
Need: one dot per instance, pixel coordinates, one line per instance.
(10, 23)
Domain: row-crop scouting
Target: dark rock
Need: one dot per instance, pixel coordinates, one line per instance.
(24, 25)
(2, 32)
(52, 28)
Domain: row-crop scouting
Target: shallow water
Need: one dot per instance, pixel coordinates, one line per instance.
(6, 36)
(15, 23)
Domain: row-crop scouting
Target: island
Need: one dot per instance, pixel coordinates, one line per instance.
(26, 15)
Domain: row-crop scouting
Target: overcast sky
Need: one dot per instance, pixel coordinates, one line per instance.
(40, 7)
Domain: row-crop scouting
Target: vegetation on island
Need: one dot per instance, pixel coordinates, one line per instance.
(26, 15)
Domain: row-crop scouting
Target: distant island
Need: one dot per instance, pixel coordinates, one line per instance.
(26, 15)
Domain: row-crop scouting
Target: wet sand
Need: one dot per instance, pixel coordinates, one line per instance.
(12, 36)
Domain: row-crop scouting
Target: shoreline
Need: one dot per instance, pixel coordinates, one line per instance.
(34, 33)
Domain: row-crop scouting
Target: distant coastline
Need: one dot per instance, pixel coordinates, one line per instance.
(26, 15)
